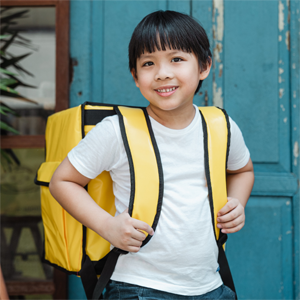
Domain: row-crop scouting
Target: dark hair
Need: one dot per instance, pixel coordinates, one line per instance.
(162, 29)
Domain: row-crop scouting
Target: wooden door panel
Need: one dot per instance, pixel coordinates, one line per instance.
(257, 97)
(261, 254)
(251, 77)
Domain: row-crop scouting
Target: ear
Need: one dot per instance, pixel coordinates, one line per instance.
(134, 75)
(204, 73)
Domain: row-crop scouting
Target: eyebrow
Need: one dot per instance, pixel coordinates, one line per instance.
(145, 56)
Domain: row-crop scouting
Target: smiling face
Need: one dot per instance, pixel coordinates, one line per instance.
(168, 79)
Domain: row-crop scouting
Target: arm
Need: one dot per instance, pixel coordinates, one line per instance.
(67, 187)
(231, 218)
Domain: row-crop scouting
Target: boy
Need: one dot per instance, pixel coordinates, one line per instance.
(169, 57)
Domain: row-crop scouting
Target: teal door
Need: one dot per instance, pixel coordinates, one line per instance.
(255, 77)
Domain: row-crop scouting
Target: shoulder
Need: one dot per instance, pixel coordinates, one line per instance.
(235, 130)
(99, 150)
(236, 135)
(107, 129)
(105, 135)
(239, 154)
(110, 123)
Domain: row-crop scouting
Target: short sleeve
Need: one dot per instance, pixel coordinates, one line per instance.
(239, 154)
(99, 150)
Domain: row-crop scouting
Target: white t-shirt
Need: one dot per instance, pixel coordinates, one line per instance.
(181, 257)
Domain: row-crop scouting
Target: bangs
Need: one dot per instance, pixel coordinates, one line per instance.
(160, 37)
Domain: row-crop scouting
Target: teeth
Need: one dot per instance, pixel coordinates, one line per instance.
(166, 90)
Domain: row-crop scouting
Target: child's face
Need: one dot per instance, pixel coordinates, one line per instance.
(168, 79)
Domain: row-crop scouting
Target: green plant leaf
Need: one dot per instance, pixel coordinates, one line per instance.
(19, 68)
(8, 85)
(5, 109)
(8, 89)
(7, 72)
(13, 62)
(13, 16)
(28, 45)
(8, 62)
(17, 96)
(20, 83)
(3, 112)
(6, 127)
(7, 43)
(7, 81)
(24, 39)
(4, 36)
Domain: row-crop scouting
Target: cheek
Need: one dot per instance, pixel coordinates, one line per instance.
(144, 81)
(190, 75)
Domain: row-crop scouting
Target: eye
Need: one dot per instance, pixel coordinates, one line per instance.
(148, 64)
(177, 59)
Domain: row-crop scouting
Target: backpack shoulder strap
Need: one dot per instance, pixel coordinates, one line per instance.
(216, 131)
(146, 174)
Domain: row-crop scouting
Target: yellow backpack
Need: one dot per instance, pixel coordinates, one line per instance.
(72, 247)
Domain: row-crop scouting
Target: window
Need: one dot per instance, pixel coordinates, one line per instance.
(47, 89)
(47, 27)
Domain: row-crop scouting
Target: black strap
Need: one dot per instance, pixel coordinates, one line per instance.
(88, 277)
(94, 116)
(107, 271)
(223, 263)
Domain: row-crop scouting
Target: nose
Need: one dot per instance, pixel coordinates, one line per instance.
(163, 72)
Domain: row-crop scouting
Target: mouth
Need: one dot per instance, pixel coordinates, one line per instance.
(166, 91)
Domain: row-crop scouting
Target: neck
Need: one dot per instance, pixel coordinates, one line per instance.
(175, 119)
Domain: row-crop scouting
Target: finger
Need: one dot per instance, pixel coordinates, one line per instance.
(229, 206)
(133, 249)
(235, 213)
(138, 235)
(140, 225)
(232, 230)
(128, 243)
(134, 243)
(234, 223)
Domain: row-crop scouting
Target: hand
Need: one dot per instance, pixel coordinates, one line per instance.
(231, 218)
(125, 232)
